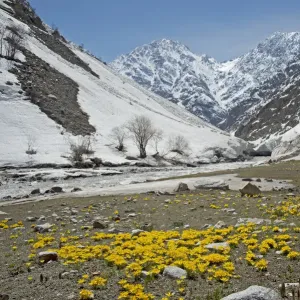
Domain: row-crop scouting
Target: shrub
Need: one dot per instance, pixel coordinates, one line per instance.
(179, 144)
(119, 135)
(81, 147)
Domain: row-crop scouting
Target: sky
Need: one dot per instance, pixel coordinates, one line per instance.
(223, 29)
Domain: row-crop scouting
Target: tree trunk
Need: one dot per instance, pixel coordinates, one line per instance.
(143, 153)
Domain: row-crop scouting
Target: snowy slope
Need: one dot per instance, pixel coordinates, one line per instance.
(109, 101)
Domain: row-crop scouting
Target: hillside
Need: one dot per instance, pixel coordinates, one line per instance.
(53, 93)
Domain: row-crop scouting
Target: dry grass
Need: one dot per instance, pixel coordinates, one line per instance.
(289, 170)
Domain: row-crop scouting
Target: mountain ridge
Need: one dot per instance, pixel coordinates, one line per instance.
(219, 93)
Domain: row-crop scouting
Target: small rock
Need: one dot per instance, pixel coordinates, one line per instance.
(114, 230)
(43, 228)
(76, 190)
(229, 210)
(73, 220)
(31, 219)
(205, 226)
(74, 212)
(65, 275)
(144, 274)
(47, 256)
(269, 180)
(258, 180)
(182, 187)
(41, 219)
(147, 227)
(53, 97)
(174, 272)
(132, 215)
(254, 292)
(220, 225)
(19, 228)
(256, 221)
(136, 232)
(250, 190)
(215, 246)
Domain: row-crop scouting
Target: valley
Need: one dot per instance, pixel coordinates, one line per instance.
(162, 174)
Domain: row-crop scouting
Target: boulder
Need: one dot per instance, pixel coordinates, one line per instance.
(182, 187)
(56, 189)
(97, 224)
(47, 256)
(35, 192)
(254, 292)
(250, 190)
(174, 272)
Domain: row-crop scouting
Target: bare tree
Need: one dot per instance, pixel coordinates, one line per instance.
(178, 144)
(142, 131)
(14, 40)
(157, 138)
(119, 135)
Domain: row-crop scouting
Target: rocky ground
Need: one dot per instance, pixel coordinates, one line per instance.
(19, 183)
(121, 247)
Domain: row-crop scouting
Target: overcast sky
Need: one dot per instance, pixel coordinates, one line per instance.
(223, 29)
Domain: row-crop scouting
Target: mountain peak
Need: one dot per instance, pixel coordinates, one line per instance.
(207, 88)
(167, 43)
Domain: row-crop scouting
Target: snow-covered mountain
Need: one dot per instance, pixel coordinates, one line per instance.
(171, 70)
(225, 94)
(53, 92)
